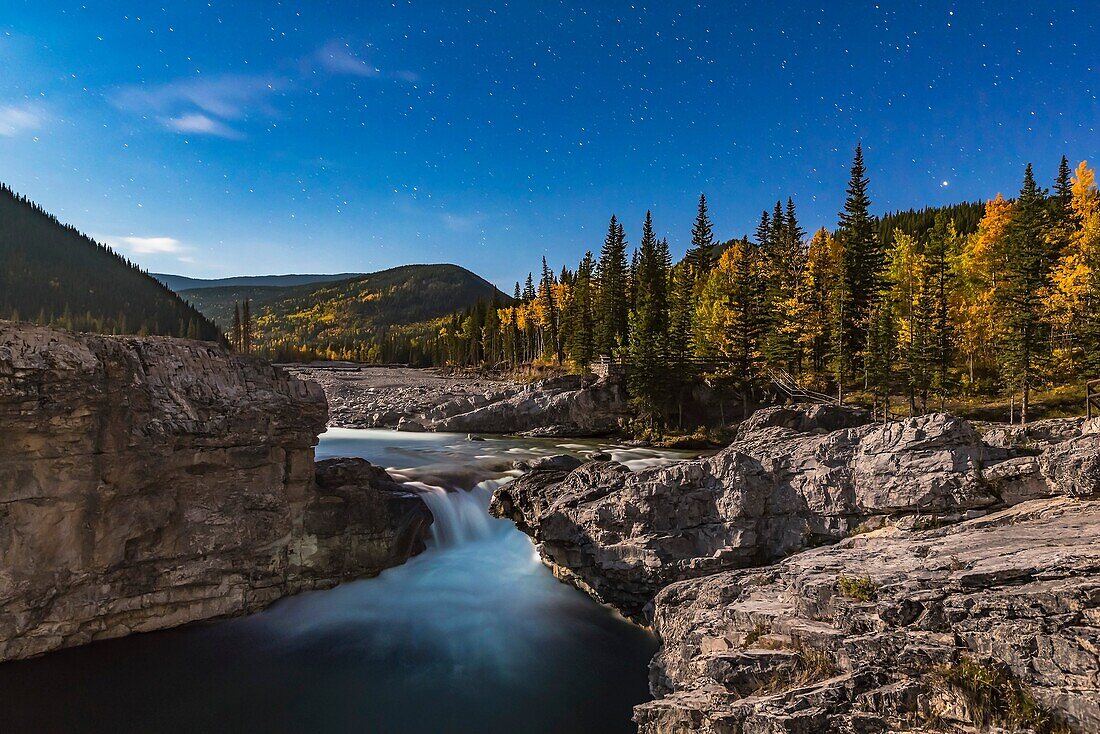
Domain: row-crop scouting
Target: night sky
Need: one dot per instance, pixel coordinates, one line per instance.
(224, 138)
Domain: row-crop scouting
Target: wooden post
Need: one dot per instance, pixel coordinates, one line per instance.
(1092, 399)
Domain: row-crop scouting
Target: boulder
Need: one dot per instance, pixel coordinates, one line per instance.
(1072, 468)
(357, 523)
(893, 631)
(785, 485)
(558, 462)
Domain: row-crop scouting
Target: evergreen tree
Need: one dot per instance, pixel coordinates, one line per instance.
(863, 259)
(1026, 276)
(941, 252)
(764, 232)
(246, 327)
(546, 289)
(612, 275)
(649, 319)
(582, 333)
(529, 289)
(700, 256)
(236, 326)
(881, 347)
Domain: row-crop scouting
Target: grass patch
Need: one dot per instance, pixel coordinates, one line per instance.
(861, 529)
(860, 588)
(811, 665)
(756, 633)
(996, 697)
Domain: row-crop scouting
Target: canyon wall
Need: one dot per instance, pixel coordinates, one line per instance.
(151, 482)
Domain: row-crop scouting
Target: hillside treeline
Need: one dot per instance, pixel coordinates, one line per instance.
(909, 309)
(51, 274)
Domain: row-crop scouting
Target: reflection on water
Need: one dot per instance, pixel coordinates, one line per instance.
(473, 635)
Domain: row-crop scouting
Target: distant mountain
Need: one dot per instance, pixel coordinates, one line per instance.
(368, 317)
(52, 274)
(180, 283)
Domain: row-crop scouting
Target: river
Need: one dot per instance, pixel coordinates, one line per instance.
(473, 635)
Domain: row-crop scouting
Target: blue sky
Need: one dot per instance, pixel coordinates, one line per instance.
(223, 138)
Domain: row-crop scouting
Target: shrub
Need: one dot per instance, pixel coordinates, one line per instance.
(860, 588)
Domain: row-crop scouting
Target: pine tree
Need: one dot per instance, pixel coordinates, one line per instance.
(881, 347)
(237, 326)
(764, 232)
(863, 257)
(941, 253)
(246, 327)
(700, 256)
(1026, 276)
(546, 292)
(529, 289)
(582, 332)
(732, 318)
(649, 319)
(612, 275)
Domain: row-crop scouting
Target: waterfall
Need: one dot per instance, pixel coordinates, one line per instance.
(460, 516)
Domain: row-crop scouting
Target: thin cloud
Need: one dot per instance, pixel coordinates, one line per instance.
(200, 124)
(15, 120)
(203, 106)
(148, 245)
(338, 57)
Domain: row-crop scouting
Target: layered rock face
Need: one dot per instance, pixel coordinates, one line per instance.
(989, 620)
(149, 482)
(994, 620)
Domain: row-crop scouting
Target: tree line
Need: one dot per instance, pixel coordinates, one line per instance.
(52, 274)
(907, 310)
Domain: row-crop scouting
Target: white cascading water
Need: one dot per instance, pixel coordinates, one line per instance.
(460, 516)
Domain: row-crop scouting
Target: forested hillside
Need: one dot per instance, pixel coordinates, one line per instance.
(909, 309)
(392, 315)
(52, 274)
(180, 283)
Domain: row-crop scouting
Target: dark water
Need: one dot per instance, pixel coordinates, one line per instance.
(474, 635)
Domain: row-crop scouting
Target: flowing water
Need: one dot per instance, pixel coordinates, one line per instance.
(473, 635)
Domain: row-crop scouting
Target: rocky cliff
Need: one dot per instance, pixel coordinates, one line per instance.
(150, 482)
(800, 580)
(423, 400)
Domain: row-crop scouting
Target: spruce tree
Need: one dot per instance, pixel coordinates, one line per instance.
(236, 326)
(649, 319)
(745, 321)
(612, 276)
(863, 259)
(546, 292)
(246, 327)
(1026, 276)
(582, 331)
(700, 256)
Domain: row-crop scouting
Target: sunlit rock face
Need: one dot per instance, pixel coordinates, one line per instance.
(150, 482)
(957, 588)
(793, 479)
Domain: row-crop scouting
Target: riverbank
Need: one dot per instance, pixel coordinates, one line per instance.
(474, 634)
(416, 400)
(830, 574)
